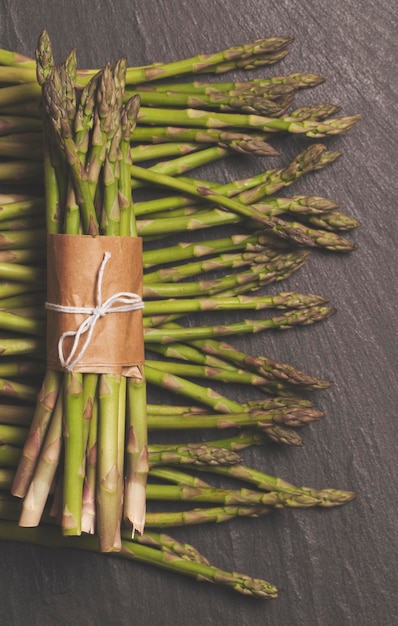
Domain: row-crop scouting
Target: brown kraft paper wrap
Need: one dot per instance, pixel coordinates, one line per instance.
(73, 263)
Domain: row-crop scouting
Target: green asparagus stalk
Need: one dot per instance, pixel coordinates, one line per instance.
(19, 150)
(292, 416)
(20, 391)
(228, 59)
(73, 437)
(23, 257)
(137, 464)
(242, 102)
(21, 240)
(181, 386)
(16, 346)
(12, 435)
(264, 366)
(277, 499)
(134, 503)
(171, 409)
(310, 208)
(47, 535)
(177, 273)
(218, 373)
(216, 514)
(191, 454)
(297, 81)
(105, 153)
(90, 478)
(283, 300)
(176, 476)
(203, 119)
(11, 322)
(108, 495)
(324, 497)
(36, 497)
(10, 124)
(174, 547)
(44, 409)
(9, 455)
(333, 220)
(287, 320)
(187, 250)
(21, 170)
(280, 435)
(241, 142)
(248, 63)
(16, 415)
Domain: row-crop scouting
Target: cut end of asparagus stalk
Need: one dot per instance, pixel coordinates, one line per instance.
(135, 515)
(135, 495)
(88, 510)
(70, 526)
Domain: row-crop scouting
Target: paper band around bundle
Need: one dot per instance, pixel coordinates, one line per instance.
(94, 304)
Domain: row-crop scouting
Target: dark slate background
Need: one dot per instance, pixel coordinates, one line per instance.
(337, 566)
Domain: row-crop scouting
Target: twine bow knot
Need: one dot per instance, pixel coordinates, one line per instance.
(120, 302)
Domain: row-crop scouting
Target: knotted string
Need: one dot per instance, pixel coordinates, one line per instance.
(125, 300)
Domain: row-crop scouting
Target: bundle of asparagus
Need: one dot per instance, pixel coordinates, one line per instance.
(237, 117)
(88, 190)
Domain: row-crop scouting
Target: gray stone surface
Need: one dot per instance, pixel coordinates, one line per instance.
(334, 567)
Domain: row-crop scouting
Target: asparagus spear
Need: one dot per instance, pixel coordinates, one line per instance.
(300, 80)
(12, 389)
(265, 366)
(324, 497)
(277, 499)
(206, 515)
(36, 497)
(230, 58)
(44, 409)
(176, 273)
(287, 320)
(269, 182)
(191, 454)
(108, 495)
(137, 454)
(16, 415)
(17, 346)
(292, 416)
(48, 536)
(205, 119)
(187, 250)
(333, 220)
(134, 509)
(244, 102)
(234, 140)
(90, 478)
(283, 300)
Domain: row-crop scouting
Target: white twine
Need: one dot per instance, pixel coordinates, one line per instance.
(127, 302)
